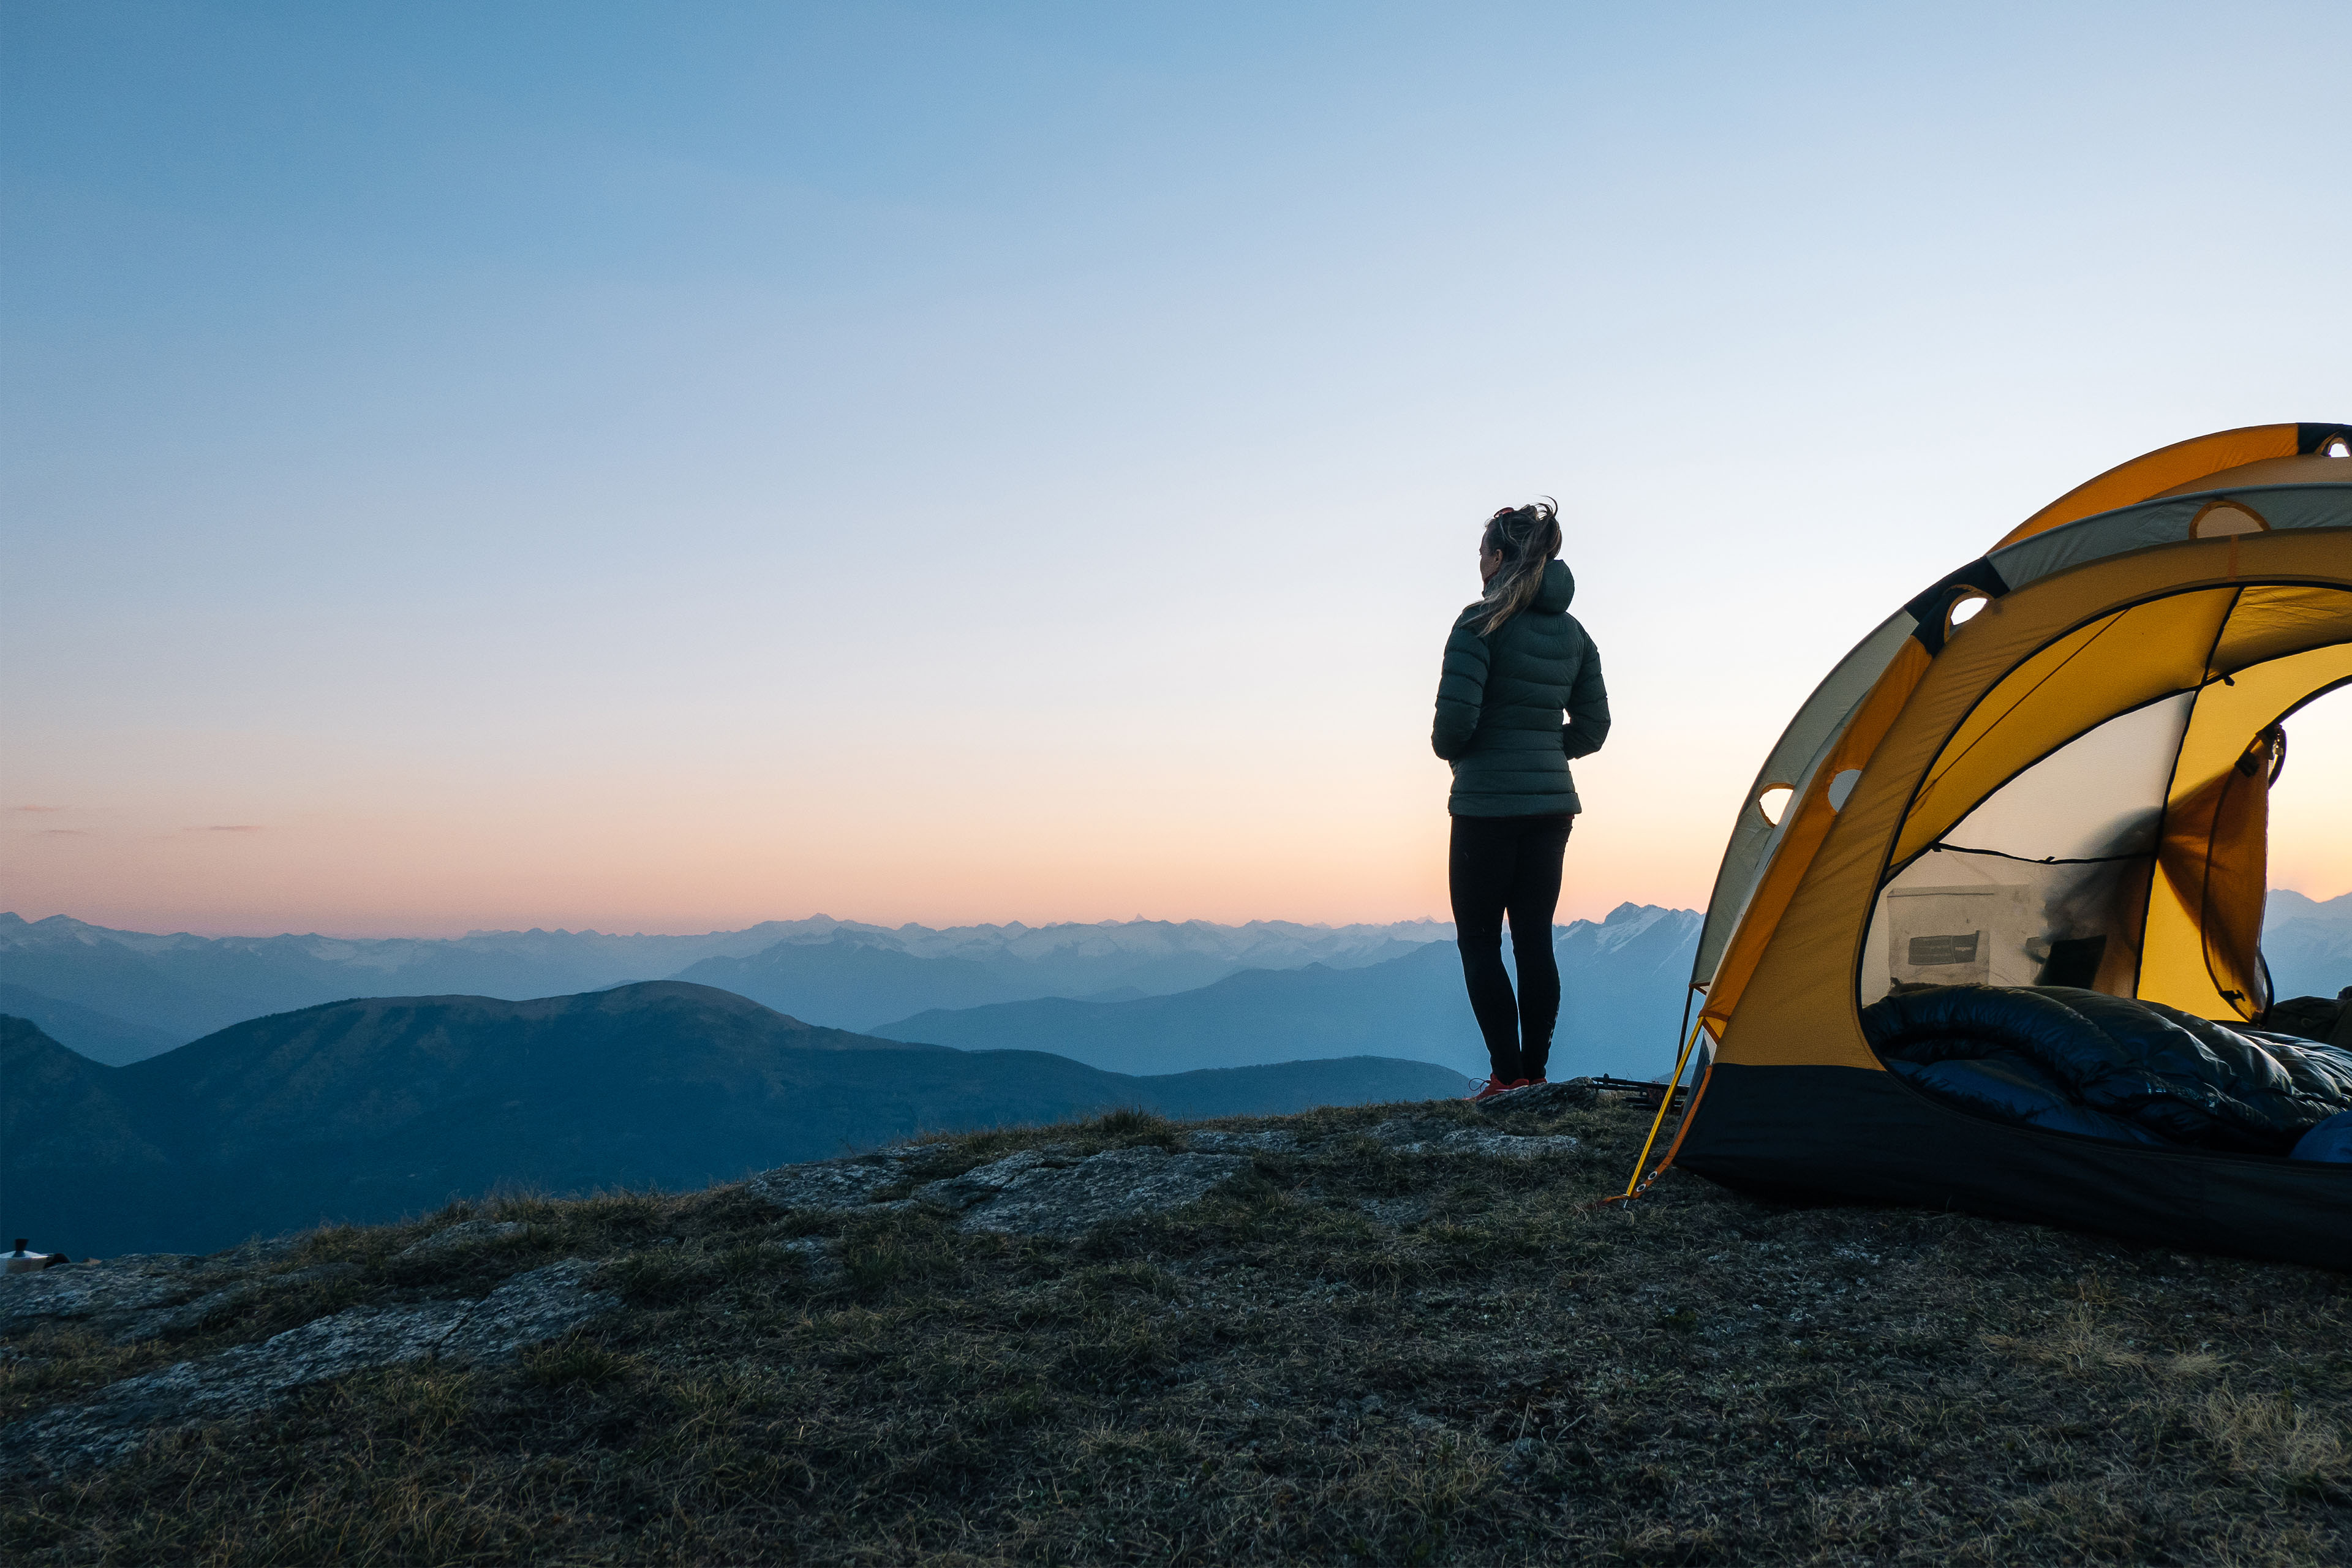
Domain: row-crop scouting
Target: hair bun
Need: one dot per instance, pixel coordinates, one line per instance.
(1526, 538)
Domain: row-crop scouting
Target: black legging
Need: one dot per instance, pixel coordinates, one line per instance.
(1498, 865)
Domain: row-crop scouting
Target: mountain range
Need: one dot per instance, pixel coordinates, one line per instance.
(1120, 994)
(363, 1110)
(119, 996)
(1622, 982)
(367, 1107)
(2307, 943)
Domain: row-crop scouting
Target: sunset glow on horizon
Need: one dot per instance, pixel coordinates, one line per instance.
(610, 467)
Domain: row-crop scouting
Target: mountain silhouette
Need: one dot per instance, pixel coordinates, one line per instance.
(117, 995)
(366, 1110)
(1248, 1017)
(2307, 943)
(96, 1035)
(1622, 987)
(853, 981)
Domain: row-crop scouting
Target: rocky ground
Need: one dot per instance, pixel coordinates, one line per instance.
(1397, 1334)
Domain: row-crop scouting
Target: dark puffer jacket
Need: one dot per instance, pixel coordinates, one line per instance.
(1501, 703)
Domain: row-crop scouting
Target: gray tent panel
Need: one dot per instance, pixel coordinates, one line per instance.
(1793, 760)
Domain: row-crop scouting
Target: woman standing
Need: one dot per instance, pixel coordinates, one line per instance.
(1521, 694)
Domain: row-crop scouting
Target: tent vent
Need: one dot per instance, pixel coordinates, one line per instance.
(2338, 448)
(2220, 519)
(1964, 609)
(1841, 786)
(1933, 609)
(1772, 800)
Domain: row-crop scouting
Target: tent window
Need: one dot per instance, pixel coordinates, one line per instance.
(1772, 800)
(2099, 794)
(2043, 883)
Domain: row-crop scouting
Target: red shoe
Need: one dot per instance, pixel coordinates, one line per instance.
(1486, 1088)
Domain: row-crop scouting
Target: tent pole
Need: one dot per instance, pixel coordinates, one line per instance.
(1666, 1100)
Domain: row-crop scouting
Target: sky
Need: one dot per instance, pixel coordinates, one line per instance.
(662, 467)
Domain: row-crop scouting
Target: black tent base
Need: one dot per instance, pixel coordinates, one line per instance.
(1851, 1135)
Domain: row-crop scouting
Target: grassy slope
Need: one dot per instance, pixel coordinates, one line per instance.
(1275, 1376)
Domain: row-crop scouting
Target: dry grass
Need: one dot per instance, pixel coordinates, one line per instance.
(1360, 1357)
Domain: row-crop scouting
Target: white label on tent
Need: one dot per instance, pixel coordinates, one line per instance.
(1971, 935)
(1936, 952)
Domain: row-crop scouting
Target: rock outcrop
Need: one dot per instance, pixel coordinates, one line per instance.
(465, 1234)
(826, 1184)
(1407, 1135)
(1567, 1094)
(1058, 1192)
(526, 1310)
(1035, 1193)
(143, 1295)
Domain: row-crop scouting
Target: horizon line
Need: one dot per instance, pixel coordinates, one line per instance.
(6, 915)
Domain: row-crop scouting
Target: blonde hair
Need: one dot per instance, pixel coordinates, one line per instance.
(1528, 537)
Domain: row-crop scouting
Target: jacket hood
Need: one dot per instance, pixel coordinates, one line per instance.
(1559, 588)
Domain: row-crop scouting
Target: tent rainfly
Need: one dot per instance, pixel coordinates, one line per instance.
(2051, 768)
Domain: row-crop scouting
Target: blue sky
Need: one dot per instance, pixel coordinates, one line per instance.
(665, 467)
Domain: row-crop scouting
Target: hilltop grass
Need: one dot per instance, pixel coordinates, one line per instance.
(1360, 1356)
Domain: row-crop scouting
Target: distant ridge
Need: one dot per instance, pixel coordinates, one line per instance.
(94, 1034)
(362, 1111)
(137, 987)
(1622, 981)
(117, 996)
(2308, 943)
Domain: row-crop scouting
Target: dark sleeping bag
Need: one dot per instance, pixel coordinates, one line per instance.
(2081, 1061)
(2331, 1140)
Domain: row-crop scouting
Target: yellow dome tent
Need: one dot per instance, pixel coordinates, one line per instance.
(2049, 768)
